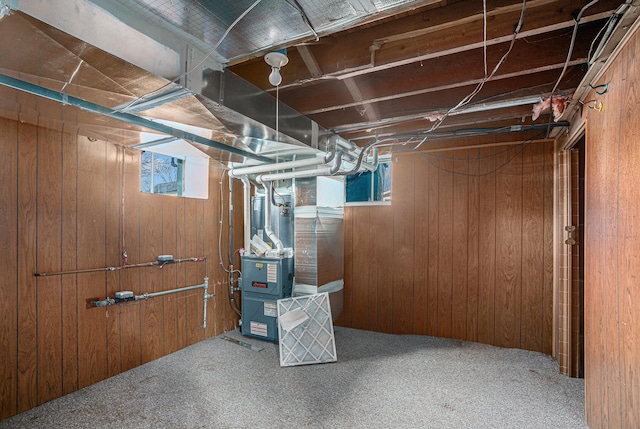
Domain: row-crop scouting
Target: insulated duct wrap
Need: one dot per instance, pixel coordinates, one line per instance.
(319, 241)
(319, 245)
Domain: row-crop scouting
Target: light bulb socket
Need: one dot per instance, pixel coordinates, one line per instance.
(276, 60)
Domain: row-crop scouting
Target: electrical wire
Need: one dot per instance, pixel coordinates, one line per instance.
(177, 79)
(595, 39)
(569, 54)
(523, 147)
(298, 7)
(608, 26)
(479, 158)
(221, 219)
(273, 198)
(571, 45)
(466, 100)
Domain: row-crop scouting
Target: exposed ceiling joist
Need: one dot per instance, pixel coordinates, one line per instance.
(424, 91)
(309, 61)
(351, 54)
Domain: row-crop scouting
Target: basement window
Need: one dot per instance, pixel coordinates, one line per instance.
(370, 187)
(162, 174)
(174, 168)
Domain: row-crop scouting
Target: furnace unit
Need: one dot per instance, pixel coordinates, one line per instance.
(264, 282)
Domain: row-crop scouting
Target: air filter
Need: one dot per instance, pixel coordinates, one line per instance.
(305, 329)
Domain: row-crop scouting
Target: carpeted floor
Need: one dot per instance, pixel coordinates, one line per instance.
(379, 381)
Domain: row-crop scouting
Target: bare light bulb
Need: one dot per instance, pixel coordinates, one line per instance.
(276, 60)
(275, 78)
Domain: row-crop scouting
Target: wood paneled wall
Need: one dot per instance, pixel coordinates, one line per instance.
(464, 250)
(69, 203)
(612, 247)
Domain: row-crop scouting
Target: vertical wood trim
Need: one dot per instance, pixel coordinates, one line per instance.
(92, 332)
(169, 274)
(611, 286)
(508, 248)
(433, 187)
(472, 249)
(445, 242)
(361, 279)
(151, 278)
(199, 268)
(548, 252)
(48, 257)
(345, 317)
(113, 233)
(460, 242)
(194, 311)
(182, 337)
(27, 215)
(403, 244)
(532, 248)
(421, 270)
(130, 315)
(69, 252)
(628, 245)
(382, 223)
(9, 266)
(595, 379)
(487, 244)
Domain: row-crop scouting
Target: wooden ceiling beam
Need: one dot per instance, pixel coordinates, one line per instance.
(344, 74)
(364, 108)
(424, 91)
(309, 61)
(532, 86)
(350, 55)
(528, 57)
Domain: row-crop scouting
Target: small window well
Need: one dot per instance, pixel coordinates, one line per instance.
(370, 187)
(161, 174)
(174, 167)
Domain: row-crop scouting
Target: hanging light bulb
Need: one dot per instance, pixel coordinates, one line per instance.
(276, 60)
(275, 78)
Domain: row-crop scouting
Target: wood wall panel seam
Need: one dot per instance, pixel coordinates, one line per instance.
(27, 323)
(9, 282)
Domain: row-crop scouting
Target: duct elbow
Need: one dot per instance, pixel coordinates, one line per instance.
(337, 163)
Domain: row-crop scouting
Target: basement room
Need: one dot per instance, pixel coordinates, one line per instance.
(319, 214)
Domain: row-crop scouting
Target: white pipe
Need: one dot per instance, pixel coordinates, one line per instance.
(321, 171)
(207, 296)
(247, 212)
(267, 217)
(264, 168)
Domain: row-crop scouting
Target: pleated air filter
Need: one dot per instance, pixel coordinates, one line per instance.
(305, 329)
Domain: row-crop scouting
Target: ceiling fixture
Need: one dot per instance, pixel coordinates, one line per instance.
(276, 60)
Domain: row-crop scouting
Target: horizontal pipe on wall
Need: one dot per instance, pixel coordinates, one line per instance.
(113, 301)
(124, 267)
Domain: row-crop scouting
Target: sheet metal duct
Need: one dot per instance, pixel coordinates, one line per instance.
(248, 111)
(271, 23)
(319, 241)
(229, 109)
